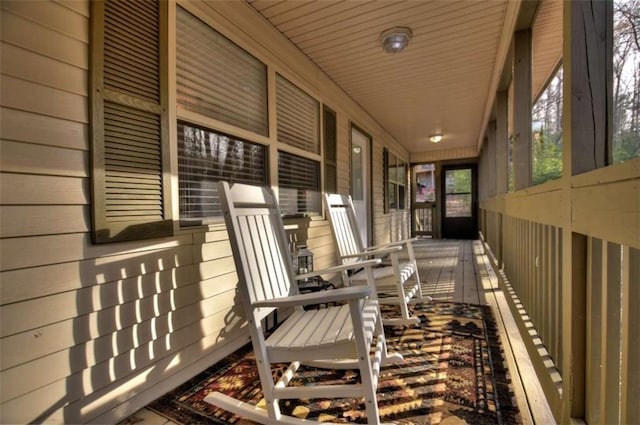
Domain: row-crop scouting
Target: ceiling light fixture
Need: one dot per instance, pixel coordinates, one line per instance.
(395, 40)
(435, 138)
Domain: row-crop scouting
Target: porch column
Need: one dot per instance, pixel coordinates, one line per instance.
(502, 142)
(588, 45)
(587, 35)
(501, 166)
(522, 109)
(490, 163)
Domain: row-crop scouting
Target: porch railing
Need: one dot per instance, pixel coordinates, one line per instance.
(569, 256)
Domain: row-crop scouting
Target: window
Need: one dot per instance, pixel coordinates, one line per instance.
(218, 79)
(206, 157)
(546, 123)
(458, 193)
(395, 176)
(330, 151)
(221, 95)
(299, 184)
(298, 124)
(626, 81)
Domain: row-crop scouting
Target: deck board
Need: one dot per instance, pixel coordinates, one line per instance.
(460, 271)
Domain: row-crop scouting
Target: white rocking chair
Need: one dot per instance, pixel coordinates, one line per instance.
(323, 337)
(397, 283)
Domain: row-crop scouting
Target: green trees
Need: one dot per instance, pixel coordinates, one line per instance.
(626, 80)
(546, 120)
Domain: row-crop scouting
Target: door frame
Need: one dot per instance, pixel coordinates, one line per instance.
(368, 186)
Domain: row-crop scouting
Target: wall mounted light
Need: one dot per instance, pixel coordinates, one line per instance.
(435, 138)
(395, 39)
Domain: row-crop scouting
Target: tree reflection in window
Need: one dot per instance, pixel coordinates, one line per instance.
(206, 157)
(458, 193)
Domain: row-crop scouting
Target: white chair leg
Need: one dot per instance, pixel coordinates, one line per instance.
(368, 377)
(402, 296)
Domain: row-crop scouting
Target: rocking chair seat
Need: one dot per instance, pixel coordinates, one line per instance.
(325, 333)
(385, 276)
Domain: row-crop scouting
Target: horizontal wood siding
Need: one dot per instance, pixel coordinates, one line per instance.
(90, 333)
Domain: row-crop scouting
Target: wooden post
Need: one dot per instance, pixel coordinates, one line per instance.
(502, 142)
(490, 163)
(588, 63)
(630, 372)
(502, 170)
(593, 375)
(610, 371)
(574, 325)
(522, 109)
(587, 66)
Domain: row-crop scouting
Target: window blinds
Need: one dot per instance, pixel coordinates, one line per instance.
(298, 117)
(218, 79)
(299, 184)
(204, 158)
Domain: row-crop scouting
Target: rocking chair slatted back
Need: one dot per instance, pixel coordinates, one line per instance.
(398, 282)
(345, 225)
(261, 246)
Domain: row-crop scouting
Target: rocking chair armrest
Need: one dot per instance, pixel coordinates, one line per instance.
(332, 295)
(384, 251)
(390, 244)
(340, 268)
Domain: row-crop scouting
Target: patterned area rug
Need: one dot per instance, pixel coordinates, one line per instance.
(453, 373)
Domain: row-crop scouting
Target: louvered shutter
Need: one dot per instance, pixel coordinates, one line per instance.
(128, 121)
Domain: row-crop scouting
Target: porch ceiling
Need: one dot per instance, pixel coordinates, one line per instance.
(443, 82)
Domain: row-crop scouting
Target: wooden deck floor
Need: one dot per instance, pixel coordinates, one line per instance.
(447, 269)
(460, 271)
